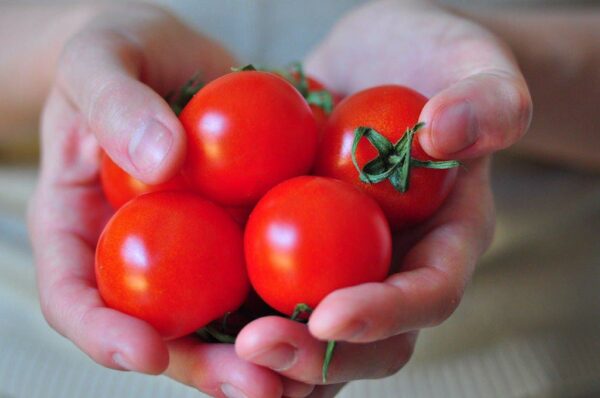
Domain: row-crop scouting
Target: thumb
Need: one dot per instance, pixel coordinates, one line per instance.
(99, 74)
(476, 116)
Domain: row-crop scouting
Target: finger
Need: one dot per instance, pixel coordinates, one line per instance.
(72, 305)
(296, 389)
(288, 348)
(327, 391)
(483, 113)
(65, 218)
(98, 73)
(216, 370)
(432, 278)
(480, 101)
(104, 71)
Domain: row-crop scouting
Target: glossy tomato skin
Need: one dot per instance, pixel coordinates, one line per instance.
(390, 110)
(309, 236)
(247, 131)
(172, 259)
(120, 187)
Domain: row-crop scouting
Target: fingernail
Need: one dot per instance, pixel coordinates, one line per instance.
(351, 331)
(121, 362)
(455, 129)
(231, 391)
(280, 357)
(150, 145)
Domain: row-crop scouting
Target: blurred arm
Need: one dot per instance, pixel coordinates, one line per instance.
(31, 38)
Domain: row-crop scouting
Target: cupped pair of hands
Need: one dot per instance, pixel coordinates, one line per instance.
(108, 93)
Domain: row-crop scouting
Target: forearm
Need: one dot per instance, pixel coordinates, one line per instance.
(31, 38)
(559, 53)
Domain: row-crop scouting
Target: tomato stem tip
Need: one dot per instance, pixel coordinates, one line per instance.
(327, 360)
(394, 161)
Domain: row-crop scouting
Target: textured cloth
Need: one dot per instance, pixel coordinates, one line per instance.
(528, 324)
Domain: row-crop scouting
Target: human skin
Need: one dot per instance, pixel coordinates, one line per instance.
(104, 87)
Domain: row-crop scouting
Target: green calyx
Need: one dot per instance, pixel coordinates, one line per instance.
(244, 68)
(296, 76)
(211, 333)
(185, 94)
(322, 99)
(301, 314)
(327, 360)
(394, 161)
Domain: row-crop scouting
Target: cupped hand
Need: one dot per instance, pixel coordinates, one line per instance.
(376, 324)
(479, 103)
(108, 93)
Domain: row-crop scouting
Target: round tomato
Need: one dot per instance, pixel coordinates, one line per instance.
(247, 131)
(172, 259)
(309, 236)
(120, 187)
(390, 110)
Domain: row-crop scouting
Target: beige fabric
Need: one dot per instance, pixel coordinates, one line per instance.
(528, 324)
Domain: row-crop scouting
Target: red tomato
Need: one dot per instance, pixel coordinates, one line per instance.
(309, 236)
(120, 187)
(247, 131)
(172, 259)
(390, 110)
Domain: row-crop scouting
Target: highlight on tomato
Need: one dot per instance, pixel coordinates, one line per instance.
(173, 260)
(120, 187)
(247, 131)
(309, 236)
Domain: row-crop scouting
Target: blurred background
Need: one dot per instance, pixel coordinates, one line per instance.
(529, 325)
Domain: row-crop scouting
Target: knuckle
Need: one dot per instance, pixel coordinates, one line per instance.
(520, 108)
(77, 50)
(451, 294)
(489, 228)
(103, 97)
(448, 305)
(47, 312)
(52, 312)
(524, 109)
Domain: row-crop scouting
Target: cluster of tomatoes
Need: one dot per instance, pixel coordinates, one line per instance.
(281, 191)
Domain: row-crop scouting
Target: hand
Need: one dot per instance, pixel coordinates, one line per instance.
(107, 93)
(479, 104)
